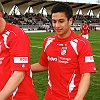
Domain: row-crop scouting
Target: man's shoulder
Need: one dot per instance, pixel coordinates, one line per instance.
(16, 30)
(80, 38)
(11, 26)
(50, 37)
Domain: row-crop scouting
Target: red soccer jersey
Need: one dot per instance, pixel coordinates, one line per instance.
(14, 56)
(84, 29)
(66, 59)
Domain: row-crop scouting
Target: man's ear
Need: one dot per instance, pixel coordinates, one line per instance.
(70, 21)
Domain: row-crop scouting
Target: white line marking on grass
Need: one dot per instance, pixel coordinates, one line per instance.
(36, 46)
(35, 37)
(96, 55)
(94, 41)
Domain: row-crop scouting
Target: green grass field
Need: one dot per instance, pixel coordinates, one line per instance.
(40, 79)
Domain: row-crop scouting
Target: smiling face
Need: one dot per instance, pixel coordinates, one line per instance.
(61, 24)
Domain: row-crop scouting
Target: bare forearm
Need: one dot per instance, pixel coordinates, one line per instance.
(12, 84)
(83, 86)
(38, 68)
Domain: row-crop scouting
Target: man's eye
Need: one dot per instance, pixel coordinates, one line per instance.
(61, 21)
(53, 21)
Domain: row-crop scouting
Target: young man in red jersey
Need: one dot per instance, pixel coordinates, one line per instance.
(85, 30)
(67, 57)
(15, 73)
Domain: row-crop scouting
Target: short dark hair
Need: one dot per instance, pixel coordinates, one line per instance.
(62, 7)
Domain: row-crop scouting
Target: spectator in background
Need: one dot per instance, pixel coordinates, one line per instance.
(85, 30)
(67, 57)
(15, 75)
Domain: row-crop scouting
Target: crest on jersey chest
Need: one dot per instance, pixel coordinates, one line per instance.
(63, 51)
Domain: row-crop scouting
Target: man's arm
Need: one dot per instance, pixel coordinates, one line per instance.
(14, 81)
(83, 86)
(38, 68)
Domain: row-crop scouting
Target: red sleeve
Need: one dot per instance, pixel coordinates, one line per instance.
(86, 60)
(43, 58)
(19, 50)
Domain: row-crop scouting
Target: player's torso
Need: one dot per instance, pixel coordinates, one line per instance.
(62, 64)
(7, 39)
(5, 70)
(85, 29)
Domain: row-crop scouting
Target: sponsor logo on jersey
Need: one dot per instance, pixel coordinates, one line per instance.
(89, 59)
(20, 59)
(64, 60)
(23, 65)
(59, 59)
(51, 58)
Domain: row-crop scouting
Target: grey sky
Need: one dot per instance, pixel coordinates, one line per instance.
(84, 1)
(79, 1)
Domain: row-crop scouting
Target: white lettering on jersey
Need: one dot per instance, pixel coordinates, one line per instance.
(5, 36)
(63, 60)
(21, 60)
(59, 59)
(60, 44)
(74, 45)
(89, 59)
(48, 43)
(51, 58)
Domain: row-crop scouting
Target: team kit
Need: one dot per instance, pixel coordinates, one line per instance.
(66, 56)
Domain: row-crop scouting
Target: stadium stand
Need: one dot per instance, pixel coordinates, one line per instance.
(39, 21)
